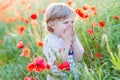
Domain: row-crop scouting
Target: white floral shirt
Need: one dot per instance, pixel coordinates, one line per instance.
(52, 45)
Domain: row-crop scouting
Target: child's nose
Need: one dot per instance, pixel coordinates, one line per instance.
(70, 24)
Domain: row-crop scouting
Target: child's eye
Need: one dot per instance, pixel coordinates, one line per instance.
(66, 22)
(72, 21)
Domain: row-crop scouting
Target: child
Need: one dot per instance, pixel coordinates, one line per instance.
(62, 42)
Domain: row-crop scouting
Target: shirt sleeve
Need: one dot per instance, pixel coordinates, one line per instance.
(51, 49)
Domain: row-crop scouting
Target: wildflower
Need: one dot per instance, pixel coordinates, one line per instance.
(85, 7)
(40, 43)
(33, 16)
(31, 67)
(48, 67)
(116, 17)
(64, 66)
(101, 23)
(20, 45)
(69, 3)
(93, 8)
(43, 11)
(26, 21)
(98, 55)
(29, 78)
(38, 65)
(81, 13)
(21, 29)
(26, 52)
(90, 31)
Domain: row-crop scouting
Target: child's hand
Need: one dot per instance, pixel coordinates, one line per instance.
(67, 34)
(73, 36)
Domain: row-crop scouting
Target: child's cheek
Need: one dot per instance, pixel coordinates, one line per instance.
(62, 32)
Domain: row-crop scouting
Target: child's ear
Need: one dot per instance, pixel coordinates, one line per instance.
(53, 27)
(51, 24)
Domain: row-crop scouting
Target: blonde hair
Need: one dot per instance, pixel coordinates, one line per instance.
(56, 11)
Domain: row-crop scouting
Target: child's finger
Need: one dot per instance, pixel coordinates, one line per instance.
(64, 30)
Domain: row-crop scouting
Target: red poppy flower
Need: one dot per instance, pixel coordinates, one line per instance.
(85, 7)
(40, 64)
(31, 67)
(90, 31)
(40, 43)
(101, 23)
(93, 8)
(69, 3)
(48, 67)
(81, 13)
(116, 17)
(98, 55)
(26, 52)
(29, 78)
(26, 21)
(43, 11)
(34, 16)
(21, 29)
(20, 45)
(64, 66)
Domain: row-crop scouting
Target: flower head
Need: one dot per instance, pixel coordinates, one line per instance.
(98, 55)
(20, 45)
(116, 17)
(26, 52)
(90, 31)
(29, 78)
(33, 16)
(40, 43)
(31, 67)
(38, 65)
(64, 66)
(101, 23)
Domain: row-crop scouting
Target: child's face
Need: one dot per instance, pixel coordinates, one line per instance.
(60, 25)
